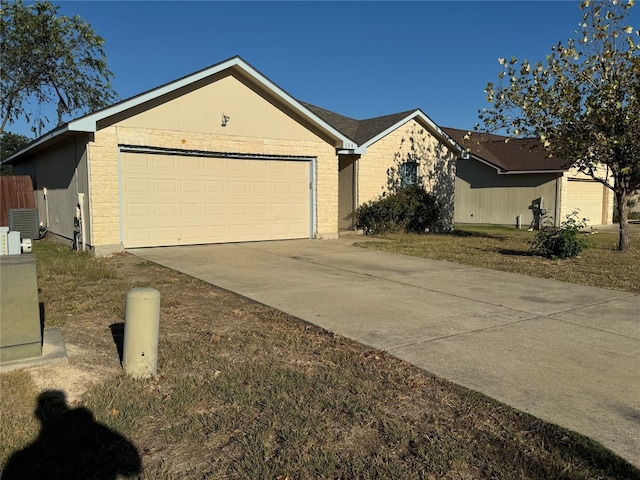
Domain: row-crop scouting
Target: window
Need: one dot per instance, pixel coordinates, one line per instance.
(408, 172)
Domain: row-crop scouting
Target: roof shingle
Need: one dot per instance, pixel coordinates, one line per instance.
(360, 131)
(516, 155)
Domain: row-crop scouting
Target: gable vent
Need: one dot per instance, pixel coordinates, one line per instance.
(25, 221)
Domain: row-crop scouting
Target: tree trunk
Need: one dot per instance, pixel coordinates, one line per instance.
(622, 199)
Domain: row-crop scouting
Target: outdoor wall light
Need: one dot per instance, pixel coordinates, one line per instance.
(225, 120)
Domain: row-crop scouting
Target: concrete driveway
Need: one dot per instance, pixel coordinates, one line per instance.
(566, 353)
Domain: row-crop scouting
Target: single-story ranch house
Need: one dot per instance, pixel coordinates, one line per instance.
(499, 181)
(225, 155)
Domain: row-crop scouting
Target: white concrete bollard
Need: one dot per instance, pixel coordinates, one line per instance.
(141, 329)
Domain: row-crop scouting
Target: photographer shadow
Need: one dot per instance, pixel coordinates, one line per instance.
(72, 445)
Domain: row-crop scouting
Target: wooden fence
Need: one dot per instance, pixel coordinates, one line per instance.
(16, 191)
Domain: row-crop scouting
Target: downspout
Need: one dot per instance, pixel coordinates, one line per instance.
(556, 217)
(86, 148)
(46, 205)
(80, 209)
(82, 223)
(356, 190)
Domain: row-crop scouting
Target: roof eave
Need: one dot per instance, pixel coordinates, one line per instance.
(522, 172)
(47, 137)
(89, 123)
(502, 171)
(432, 125)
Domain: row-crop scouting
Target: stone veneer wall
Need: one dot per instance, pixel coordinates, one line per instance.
(437, 165)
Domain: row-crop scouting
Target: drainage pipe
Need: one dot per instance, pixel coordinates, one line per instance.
(82, 224)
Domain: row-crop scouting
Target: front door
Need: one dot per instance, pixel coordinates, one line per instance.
(346, 190)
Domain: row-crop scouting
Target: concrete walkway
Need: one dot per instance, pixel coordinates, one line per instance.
(566, 353)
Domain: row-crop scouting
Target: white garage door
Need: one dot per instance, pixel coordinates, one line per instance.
(186, 200)
(587, 197)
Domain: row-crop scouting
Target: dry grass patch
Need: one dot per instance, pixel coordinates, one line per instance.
(508, 250)
(245, 391)
(18, 424)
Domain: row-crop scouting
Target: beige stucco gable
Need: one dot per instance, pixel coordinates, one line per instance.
(227, 105)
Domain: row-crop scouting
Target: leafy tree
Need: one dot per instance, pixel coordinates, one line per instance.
(583, 102)
(9, 144)
(47, 58)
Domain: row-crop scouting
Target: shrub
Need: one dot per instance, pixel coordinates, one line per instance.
(564, 241)
(412, 210)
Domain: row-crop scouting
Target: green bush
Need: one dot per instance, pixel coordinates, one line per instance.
(564, 241)
(412, 210)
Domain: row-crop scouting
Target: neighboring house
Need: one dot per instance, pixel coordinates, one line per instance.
(225, 155)
(635, 208)
(500, 181)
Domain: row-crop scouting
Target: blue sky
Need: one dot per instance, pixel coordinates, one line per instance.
(360, 59)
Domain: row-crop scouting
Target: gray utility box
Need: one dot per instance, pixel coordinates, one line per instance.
(20, 327)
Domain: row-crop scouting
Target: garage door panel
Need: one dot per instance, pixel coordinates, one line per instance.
(237, 187)
(191, 210)
(138, 185)
(213, 164)
(140, 162)
(298, 189)
(237, 166)
(237, 210)
(279, 168)
(259, 167)
(142, 234)
(279, 188)
(164, 234)
(163, 185)
(215, 231)
(215, 209)
(214, 186)
(278, 229)
(259, 209)
(138, 210)
(173, 200)
(190, 163)
(162, 162)
(192, 233)
(259, 187)
(165, 210)
(297, 209)
(190, 186)
(238, 231)
(587, 198)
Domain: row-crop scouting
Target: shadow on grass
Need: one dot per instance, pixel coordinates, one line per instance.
(571, 447)
(471, 233)
(71, 445)
(117, 332)
(515, 253)
(578, 446)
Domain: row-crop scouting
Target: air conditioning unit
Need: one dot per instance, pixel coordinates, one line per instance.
(25, 221)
